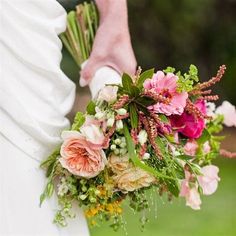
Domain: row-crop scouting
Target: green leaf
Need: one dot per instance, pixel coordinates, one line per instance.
(91, 108)
(78, 121)
(186, 81)
(134, 91)
(145, 75)
(143, 109)
(145, 101)
(133, 115)
(127, 82)
(42, 199)
(51, 159)
(184, 157)
(161, 144)
(163, 118)
(194, 167)
(193, 73)
(204, 137)
(173, 186)
(169, 69)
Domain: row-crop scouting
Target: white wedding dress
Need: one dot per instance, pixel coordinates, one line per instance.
(35, 96)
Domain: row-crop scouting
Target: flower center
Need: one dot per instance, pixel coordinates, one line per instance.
(165, 93)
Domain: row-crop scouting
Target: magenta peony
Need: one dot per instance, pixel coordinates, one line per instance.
(187, 124)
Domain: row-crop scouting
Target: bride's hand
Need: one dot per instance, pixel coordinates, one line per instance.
(112, 46)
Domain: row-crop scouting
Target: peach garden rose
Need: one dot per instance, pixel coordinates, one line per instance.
(80, 156)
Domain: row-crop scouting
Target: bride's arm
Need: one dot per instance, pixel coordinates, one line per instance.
(112, 46)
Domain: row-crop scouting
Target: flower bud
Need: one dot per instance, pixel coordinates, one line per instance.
(121, 111)
(84, 188)
(119, 125)
(113, 147)
(123, 145)
(92, 199)
(110, 121)
(117, 152)
(117, 141)
(146, 156)
(83, 197)
(142, 137)
(99, 115)
(123, 151)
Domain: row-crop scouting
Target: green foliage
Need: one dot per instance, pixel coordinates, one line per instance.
(91, 108)
(133, 115)
(127, 82)
(136, 161)
(51, 158)
(215, 125)
(49, 189)
(204, 137)
(145, 75)
(186, 81)
(78, 121)
(169, 70)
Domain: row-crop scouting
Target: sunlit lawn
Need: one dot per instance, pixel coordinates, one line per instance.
(216, 218)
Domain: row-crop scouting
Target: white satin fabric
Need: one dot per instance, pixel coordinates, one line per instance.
(35, 96)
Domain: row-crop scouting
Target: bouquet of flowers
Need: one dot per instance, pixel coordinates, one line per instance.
(155, 130)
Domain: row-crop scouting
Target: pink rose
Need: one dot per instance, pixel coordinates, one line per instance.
(93, 132)
(80, 155)
(166, 85)
(190, 148)
(190, 192)
(209, 179)
(187, 124)
(108, 93)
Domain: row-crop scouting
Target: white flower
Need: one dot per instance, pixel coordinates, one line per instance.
(113, 147)
(229, 113)
(110, 121)
(122, 111)
(117, 141)
(142, 137)
(123, 151)
(146, 156)
(99, 114)
(119, 125)
(108, 94)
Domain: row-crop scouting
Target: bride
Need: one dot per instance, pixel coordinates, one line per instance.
(35, 96)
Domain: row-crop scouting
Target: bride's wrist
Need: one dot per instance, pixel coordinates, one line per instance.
(114, 11)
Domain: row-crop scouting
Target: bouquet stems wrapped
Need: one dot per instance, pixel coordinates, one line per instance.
(82, 25)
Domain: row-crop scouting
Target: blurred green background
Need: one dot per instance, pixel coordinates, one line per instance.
(179, 33)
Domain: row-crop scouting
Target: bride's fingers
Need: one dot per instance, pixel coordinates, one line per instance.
(89, 70)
